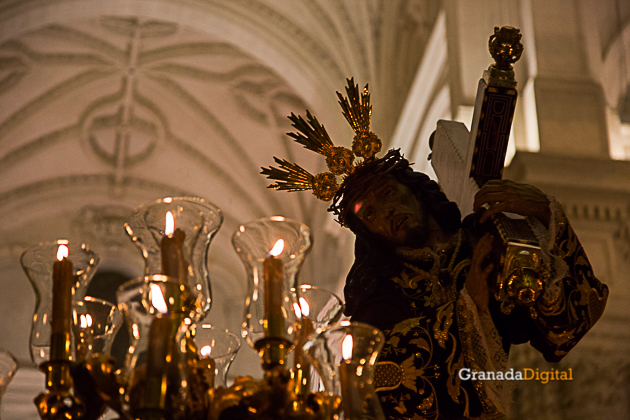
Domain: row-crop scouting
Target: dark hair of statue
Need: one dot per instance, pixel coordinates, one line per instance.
(375, 259)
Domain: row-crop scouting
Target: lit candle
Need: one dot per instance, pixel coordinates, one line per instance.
(173, 265)
(171, 251)
(300, 361)
(61, 321)
(159, 351)
(350, 394)
(272, 274)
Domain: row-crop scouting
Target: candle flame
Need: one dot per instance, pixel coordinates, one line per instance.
(346, 347)
(297, 310)
(306, 310)
(86, 321)
(277, 248)
(62, 252)
(157, 299)
(170, 224)
(205, 351)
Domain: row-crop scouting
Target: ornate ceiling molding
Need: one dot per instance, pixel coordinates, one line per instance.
(313, 44)
(258, 30)
(111, 123)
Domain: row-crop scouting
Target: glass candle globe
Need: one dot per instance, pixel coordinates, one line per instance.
(37, 263)
(321, 307)
(344, 355)
(316, 308)
(8, 367)
(272, 250)
(94, 325)
(129, 297)
(190, 223)
(220, 345)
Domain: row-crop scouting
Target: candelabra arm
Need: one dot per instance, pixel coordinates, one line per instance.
(272, 352)
(95, 380)
(58, 402)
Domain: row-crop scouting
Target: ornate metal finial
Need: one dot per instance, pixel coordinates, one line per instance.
(505, 46)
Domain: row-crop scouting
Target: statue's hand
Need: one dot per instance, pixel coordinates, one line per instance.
(514, 197)
(477, 277)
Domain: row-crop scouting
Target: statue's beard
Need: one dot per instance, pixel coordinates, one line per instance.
(418, 235)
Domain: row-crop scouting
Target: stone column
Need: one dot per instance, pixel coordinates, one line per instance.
(569, 102)
(574, 165)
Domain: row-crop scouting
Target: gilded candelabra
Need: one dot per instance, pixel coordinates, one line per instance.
(176, 366)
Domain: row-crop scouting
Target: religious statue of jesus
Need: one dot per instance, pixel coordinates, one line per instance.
(421, 274)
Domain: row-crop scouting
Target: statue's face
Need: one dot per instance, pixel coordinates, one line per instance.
(390, 210)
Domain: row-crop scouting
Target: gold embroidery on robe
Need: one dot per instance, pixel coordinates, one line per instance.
(418, 369)
(443, 340)
(443, 323)
(410, 373)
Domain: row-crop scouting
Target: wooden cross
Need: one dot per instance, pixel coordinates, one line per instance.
(464, 161)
